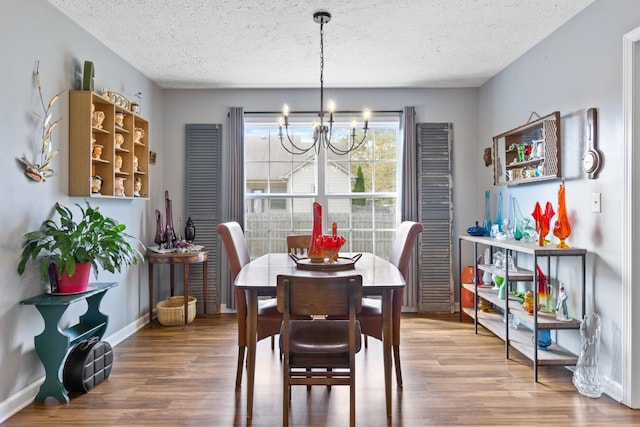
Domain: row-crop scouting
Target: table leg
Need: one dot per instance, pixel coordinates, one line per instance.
(387, 341)
(51, 346)
(252, 325)
(186, 293)
(150, 293)
(172, 282)
(204, 286)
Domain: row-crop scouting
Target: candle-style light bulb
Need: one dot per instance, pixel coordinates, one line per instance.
(367, 115)
(285, 110)
(280, 121)
(353, 124)
(332, 106)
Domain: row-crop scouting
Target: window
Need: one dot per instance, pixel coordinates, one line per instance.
(358, 191)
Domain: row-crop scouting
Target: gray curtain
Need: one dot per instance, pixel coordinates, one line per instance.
(233, 191)
(409, 197)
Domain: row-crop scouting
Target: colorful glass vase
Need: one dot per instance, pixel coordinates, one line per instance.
(160, 239)
(315, 253)
(544, 339)
(543, 222)
(190, 231)
(170, 233)
(562, 228)
(498, 220)
(487, 212)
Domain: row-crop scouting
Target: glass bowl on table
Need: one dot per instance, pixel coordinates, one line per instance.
(326, 248)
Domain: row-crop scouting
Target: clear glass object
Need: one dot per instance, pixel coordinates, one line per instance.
(587, 377)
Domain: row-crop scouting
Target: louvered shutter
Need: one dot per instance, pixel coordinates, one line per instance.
(202, 197)
(434, 186)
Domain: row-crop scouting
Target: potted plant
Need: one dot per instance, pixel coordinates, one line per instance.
(74, 247)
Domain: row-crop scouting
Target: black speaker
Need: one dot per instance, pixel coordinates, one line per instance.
(88, 364)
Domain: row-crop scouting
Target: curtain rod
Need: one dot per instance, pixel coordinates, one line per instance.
(315, 112)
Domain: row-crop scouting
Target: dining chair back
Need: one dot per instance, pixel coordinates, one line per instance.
(298, 245)
(269, 319)
(319, 351)
(371, 316)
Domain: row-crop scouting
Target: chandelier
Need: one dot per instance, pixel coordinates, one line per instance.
(322, 133)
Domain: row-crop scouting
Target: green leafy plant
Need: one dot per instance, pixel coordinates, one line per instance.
(95, 238)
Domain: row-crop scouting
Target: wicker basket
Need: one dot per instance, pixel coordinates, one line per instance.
(171, 311)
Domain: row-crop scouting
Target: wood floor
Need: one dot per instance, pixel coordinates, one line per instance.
(168, 376)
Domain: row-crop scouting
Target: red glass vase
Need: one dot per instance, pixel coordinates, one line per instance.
(316, 254)
(543, 222)
(562, 228)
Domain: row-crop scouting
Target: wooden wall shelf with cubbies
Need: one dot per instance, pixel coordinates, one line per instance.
(122, 153)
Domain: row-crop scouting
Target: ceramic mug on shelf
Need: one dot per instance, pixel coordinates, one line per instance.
(96, 151)
(118, 163)
(96, 184)
(138, 134)
(120, 119)
(119, 187)
(98, 118)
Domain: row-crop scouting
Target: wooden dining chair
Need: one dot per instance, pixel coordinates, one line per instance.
(319, 351)
(269, 318)
(371, 315)
(298, 245)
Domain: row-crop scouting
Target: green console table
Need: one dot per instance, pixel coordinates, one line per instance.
(53, 343)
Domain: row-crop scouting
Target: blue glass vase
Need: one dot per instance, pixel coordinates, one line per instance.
(498, 220)
(486, 224)
(544, 339)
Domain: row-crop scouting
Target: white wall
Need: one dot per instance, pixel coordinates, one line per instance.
(577, 67)
(33, 30)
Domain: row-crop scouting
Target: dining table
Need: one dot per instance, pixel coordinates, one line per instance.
(259, 278)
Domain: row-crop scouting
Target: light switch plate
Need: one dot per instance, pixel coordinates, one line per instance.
(596, 202)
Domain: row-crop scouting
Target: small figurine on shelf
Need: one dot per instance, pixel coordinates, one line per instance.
(136, 168)
(118, 163)
(137, 186)
(562, 312)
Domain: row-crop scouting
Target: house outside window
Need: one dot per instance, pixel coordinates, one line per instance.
(358, 191)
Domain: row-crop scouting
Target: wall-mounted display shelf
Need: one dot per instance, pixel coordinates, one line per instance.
(524, 337)
(528, 153)
(108, 149)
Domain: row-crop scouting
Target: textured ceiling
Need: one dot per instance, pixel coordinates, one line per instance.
(276, 43)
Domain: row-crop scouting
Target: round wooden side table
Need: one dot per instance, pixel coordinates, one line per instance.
(186, 259)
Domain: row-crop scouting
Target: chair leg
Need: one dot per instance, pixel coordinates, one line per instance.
(366, 341)
(273, 342)
(396, 362)
(352, 401)
(240, 366)
(286, 400)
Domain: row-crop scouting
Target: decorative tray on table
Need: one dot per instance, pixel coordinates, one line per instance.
(342, 263)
